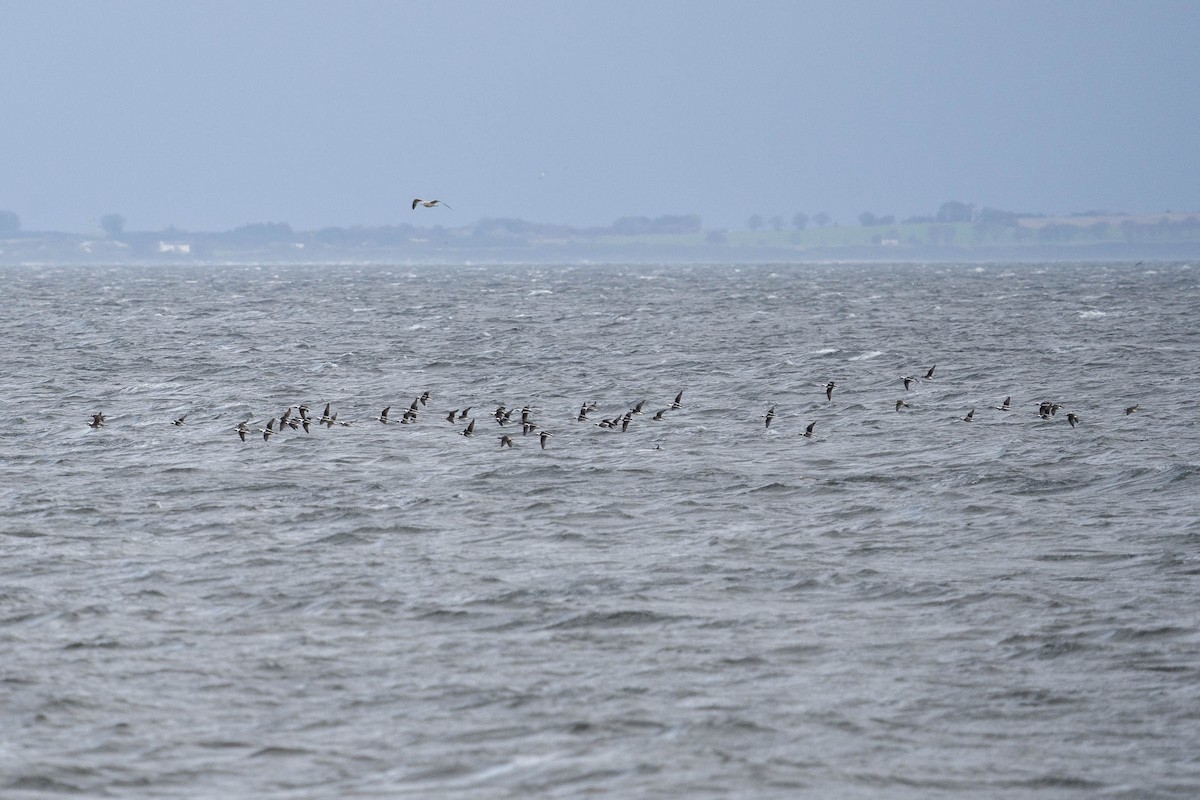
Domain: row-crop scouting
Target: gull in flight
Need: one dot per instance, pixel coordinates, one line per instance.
(428, 203)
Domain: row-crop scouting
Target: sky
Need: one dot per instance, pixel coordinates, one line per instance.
(206, 116)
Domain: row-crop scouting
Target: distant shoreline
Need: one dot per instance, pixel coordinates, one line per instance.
(1169, 236)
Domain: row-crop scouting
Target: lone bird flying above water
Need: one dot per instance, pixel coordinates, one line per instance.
(428, 203)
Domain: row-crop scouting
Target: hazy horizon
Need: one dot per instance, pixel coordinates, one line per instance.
(211, 116)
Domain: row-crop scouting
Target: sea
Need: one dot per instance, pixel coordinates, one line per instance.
(905, 604)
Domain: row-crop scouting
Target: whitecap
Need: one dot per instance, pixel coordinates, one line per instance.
(867, 355)
(1092, 314)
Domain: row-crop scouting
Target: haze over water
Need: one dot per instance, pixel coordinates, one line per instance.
(905, 605)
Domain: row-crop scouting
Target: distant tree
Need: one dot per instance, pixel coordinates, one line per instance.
(954, 211)
(867, 219)
(263, 233)
(332, 235)
(776, 223)
(755, 222)
(113, 225)
(9, 223)
(800, 221)
(821, 219)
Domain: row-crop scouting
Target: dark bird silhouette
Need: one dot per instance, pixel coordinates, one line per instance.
(383, 415)
(1005, 405)
(97, 420)
(808, 432)
(506, 441)
(659, 415)
(770, 416)
(901, 404)
(1130, 409)
(678, 402)
(268, 431)
(410, 416)
(1046, 409)
(242, 429)
(829, 387)
(908, 379)
(179, 423)
(469, 430)
(1071, 418)
(970, 416)
(929, 374)
(544, 437)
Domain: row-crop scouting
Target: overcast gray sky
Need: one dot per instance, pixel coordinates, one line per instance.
(210, 115)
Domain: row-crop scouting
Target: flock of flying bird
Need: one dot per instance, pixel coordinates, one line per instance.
(301, 418)
(1046, 409)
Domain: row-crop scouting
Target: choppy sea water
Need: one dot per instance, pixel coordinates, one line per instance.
(903, 605)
